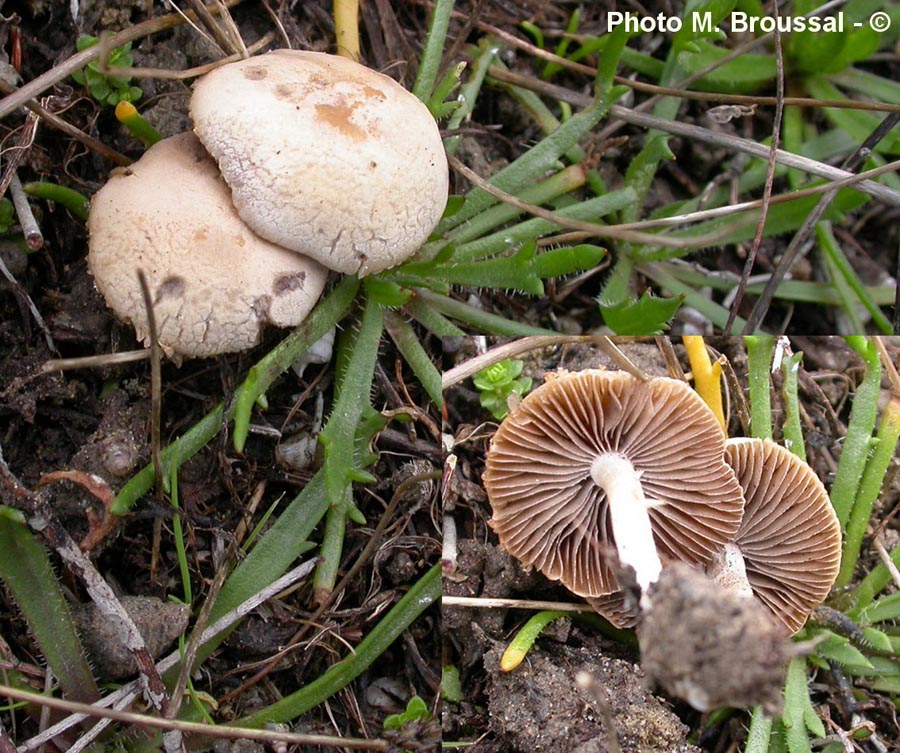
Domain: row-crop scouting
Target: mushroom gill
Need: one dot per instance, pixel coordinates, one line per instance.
(550, 513)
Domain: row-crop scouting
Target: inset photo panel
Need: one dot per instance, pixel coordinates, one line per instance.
(668, 543)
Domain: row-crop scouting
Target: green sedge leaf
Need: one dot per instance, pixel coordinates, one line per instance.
(387, 293)
(648, 315)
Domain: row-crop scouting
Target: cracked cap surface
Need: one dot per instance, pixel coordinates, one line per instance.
(325, 156)
(213, 282)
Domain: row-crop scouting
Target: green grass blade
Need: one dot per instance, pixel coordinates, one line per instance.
(869, 489)
(838, 262)
(321, 320)
(425, 592)
(183, 448)
(759, 358)
(759, 733)
(412, 351)
(860, 428)
(353, 387)
(484, 321)
(435, 322)
(544, 155)
(273, 554)
(712, 310)
(592, 210)
(72, 200)
(435, 43)
(26, 570)
(792, 431)
(327, 313)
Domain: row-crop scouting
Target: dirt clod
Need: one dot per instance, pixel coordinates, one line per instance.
(711, 647)
(158, 622)
(538, 707)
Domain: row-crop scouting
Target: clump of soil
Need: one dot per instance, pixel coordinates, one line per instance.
(158, 622)
(538, 707)
(711, 646)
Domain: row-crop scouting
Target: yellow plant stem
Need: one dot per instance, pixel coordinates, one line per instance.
(128, 116)
(519, 647)
(346, 28)
(707, 375)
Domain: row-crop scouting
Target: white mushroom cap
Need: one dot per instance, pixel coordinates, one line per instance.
(214, 283)
(325, 156)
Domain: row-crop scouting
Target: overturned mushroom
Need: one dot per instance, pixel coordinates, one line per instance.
(214, 283)
(787, 550)
(325, 156)
(595, 460)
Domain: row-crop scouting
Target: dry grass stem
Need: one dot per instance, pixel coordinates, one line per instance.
(595, 229)
(79, 60)
(479, 603)
(208, 730)
(714, 138)
(95, 362)
(195, 72)
(127, 693)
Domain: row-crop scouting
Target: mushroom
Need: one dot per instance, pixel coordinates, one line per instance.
(325, 156)
(787, 550)
(595, 460)
(213, 282)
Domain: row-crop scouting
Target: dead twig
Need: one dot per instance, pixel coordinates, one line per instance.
(770, 178)
(196, 639)
(526, 344)
(364, 556)
(495, 603)
(594, 228)
(155, 384)
(34, 238)
(761, 307)
(79, 60)
(707, 136)
(208, 730)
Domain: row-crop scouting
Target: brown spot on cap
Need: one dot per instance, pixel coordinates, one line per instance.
(260, 308)
(288, 283)
(372, 93)
(172, 287)
(338, 116)
(256, 72)
(283, 91)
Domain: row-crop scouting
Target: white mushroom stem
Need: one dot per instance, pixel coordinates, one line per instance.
(728, 569)
(628, 513)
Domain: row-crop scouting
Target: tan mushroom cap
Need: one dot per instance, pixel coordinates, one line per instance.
(214, 283)
(325, 156)
(789, 537)
(547, 511)
(614, 608)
